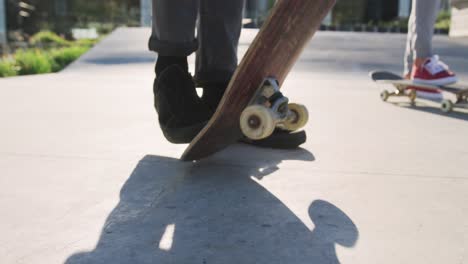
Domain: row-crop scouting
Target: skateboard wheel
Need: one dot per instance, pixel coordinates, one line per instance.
(412, 95)
(384, 95)
(446, 106)
(257, 122)
(300, 118)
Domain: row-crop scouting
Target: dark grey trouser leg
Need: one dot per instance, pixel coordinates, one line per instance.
(420, 31)
(174, 24)
(219, 28)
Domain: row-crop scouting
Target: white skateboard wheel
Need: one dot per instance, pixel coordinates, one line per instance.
(446, 106)
(301, 117)
(412, 95)
(257, 122)
(384, 95)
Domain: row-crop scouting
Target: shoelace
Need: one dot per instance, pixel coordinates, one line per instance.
(435, 65)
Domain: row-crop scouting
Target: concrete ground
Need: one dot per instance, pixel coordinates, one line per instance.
(87, 176)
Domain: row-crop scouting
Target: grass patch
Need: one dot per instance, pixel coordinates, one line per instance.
(86, 42)
(8, 68)
(32, 62)
(62, 57)
(40, 61)
(50, 54)
(48, 38)
(443, 20)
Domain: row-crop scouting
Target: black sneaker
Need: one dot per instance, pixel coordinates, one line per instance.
(181, 113)
(212, 94)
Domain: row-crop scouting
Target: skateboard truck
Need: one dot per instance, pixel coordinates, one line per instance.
(270, 109)
(401, 90)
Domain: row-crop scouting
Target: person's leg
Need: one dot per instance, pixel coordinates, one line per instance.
(424, 14)
(408, 58)
(426, 67)
(173, 32)
(181, 113)
(220, 24)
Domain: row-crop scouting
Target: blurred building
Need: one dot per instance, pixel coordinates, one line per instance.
(29, 16)
(146, 13)
(3, 29)
(348, 12)
(345, 12)
(256, 11)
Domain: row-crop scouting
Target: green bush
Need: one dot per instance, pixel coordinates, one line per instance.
(35, 61)
(32, 62)
(443, 20)
(47, 58)
(48, 38)
(401, 23)
(7, 68)
(62, 57)
(86, 42)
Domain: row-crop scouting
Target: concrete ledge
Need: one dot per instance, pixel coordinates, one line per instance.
(459, 26)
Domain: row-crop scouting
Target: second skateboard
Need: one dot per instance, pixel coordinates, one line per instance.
(449, 96)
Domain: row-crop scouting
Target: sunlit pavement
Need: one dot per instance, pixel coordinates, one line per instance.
(87, 176)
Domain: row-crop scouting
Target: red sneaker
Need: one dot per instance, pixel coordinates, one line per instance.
(435, 72)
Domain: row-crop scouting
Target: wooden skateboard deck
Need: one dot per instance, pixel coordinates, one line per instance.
(272, 54)
(410, 89)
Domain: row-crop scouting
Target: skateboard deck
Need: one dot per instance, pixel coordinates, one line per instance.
(260, 74)
(453, 95)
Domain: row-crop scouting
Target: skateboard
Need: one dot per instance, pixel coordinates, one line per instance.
(453, 95)
(252, 104)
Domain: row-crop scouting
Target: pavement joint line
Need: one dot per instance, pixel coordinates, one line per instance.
(394, 174)
(222, 164)
(48, 248)
(236, 165)
(49, 156)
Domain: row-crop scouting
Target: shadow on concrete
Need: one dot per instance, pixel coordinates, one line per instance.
(455, 114)
(258, 162)
(175, 212)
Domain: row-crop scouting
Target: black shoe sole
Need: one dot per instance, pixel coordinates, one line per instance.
(279, 140)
